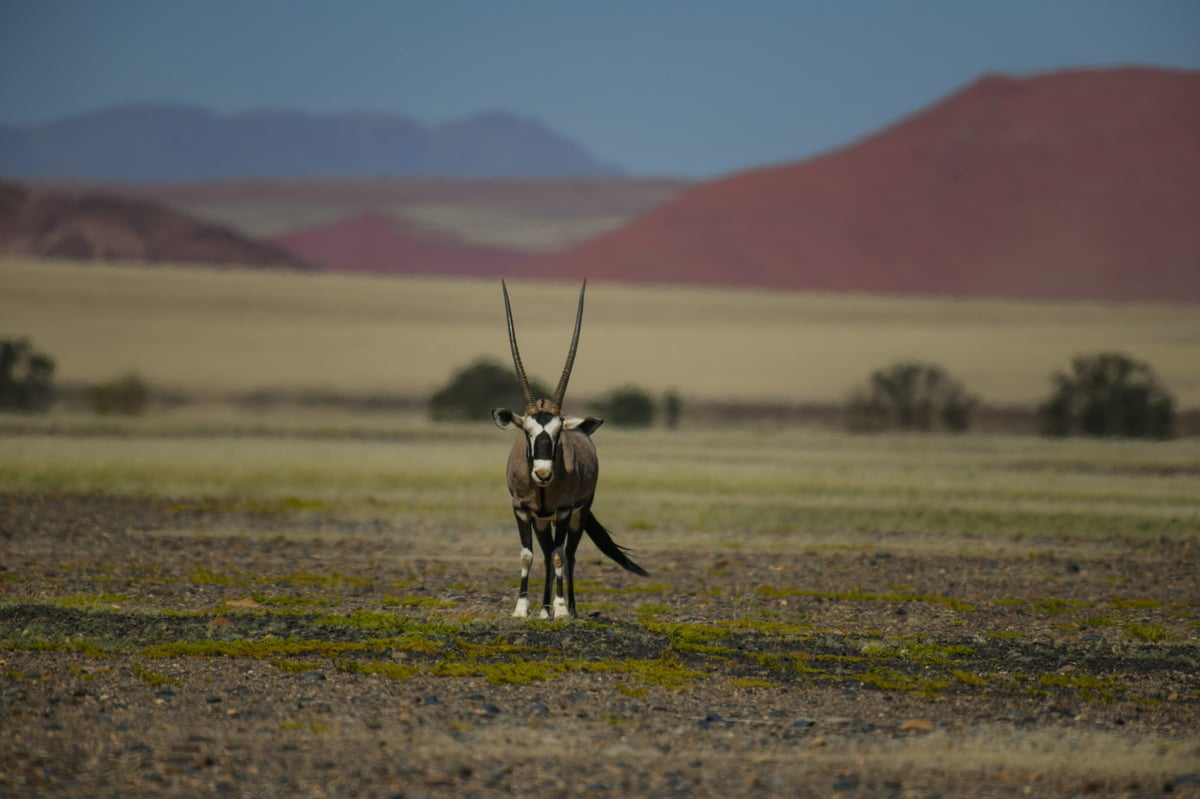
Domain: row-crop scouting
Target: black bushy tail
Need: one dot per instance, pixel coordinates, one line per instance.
(603, 540)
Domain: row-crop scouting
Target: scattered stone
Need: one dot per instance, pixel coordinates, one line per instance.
(645, 739)
(918, 725)
(1182, 780)
(845, 782)
(798, 728)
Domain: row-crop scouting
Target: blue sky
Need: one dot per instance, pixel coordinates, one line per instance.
(661, 87)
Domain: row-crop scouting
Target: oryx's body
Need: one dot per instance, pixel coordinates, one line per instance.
(552, 476)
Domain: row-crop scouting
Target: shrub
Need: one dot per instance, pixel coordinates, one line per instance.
(1108, 394)
(26, 377)
(628, 406)
(672, 405)
(911, 396)
(127, 395)
(475, 390)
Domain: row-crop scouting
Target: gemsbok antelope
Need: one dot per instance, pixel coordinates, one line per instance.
(552, 475)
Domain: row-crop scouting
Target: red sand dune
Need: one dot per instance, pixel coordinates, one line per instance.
(372, 242)
(1073, 184)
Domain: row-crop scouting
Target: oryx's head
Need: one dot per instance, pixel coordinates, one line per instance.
(543, 421)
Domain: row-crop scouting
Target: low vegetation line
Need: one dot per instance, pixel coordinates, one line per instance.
(644, 654)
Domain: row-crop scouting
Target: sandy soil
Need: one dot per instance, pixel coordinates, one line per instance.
(183, 648)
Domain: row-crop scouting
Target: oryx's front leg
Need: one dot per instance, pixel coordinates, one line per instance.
(526, 531)
(568, 528)
(560, 567)
(546, 542)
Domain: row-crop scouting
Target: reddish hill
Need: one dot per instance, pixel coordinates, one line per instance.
(1074, 184)
(372, 242)
(99, 225)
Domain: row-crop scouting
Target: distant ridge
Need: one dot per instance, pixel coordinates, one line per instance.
(373, 242)
(1078, 184)
(163, 143)
(102, 226)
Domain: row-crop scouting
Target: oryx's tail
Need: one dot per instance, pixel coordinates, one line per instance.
(603, 540)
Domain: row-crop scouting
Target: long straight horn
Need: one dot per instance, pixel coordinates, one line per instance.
(561, 391)
(526, 392)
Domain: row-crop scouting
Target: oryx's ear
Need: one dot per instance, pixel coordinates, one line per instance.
(586, 425)
(506, 419)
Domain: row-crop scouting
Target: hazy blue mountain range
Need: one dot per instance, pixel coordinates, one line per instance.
(153, 143)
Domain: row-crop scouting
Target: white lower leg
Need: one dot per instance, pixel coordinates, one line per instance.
(522, 609)
(560, 602)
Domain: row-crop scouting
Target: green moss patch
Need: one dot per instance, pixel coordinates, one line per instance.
(384, 668)
(1090, 688)
(417, 602)
(152, 678)
(648, 654)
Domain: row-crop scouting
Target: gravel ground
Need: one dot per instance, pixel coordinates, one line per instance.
(197, 647)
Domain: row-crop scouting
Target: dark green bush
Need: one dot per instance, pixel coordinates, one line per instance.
(628, 406)
(1108, 394)
(475, 390)
(26, 377)
(911, 396)
(672, 405)
(126, 395)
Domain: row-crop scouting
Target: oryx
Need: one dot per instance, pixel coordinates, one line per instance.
(552, 475)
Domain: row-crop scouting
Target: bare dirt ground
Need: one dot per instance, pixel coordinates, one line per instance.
(196, 647)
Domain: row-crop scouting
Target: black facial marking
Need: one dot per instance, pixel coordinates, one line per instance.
(543, 447)
(543, 417)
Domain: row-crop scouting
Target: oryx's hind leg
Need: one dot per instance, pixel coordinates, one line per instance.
(573, 537)
(526, 531)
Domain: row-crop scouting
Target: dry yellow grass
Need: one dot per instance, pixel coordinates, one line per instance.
(753, 489)
(214, 331)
